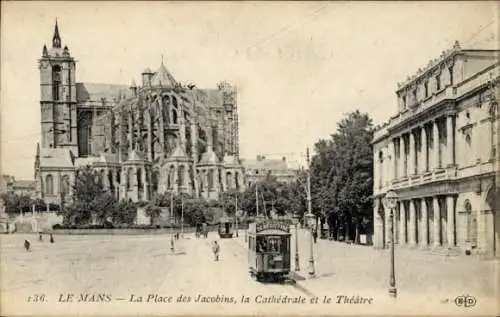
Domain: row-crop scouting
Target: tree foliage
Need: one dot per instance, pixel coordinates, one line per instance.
(341, 176)
(91, 203)
(15, 204)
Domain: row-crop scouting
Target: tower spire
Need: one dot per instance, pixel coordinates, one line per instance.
(56, 39)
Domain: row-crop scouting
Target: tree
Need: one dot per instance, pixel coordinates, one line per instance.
(15, 204)
(124, 213)
(153, 212)
(91, 203)
(341, 181)
(353, 171)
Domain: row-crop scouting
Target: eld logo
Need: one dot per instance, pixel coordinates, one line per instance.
(465, 301)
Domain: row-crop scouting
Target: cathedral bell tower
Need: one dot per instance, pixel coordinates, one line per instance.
(58, 96)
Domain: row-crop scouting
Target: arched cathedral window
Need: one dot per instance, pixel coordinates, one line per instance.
(237, 180)
(49, 185)
(182, 171)
(228, 180)
(56, 81)
(210, 179)
(65, 185)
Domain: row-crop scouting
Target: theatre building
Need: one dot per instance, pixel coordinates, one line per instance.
(440, 154)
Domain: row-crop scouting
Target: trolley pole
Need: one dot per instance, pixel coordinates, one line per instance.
(310, 216)
(256, 201)
(297, 262)
(182, 217)
(171, 222)
(236, 214)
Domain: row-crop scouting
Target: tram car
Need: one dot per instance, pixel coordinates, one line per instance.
(225, 228)
(269, 249)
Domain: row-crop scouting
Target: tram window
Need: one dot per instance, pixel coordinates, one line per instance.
(269, 244)
(274, 244)
(261, 244)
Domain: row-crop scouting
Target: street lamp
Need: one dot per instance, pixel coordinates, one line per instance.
(297, 262)
(389, 201)
(236, 215)
(171, 221)
(182, 217)
(311, 219)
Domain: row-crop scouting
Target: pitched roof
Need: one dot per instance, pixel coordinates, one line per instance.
(108, 158)
(270, 164)
(178, 152)
(209, 97)
(24, 184)
(134, 157)
(58, 157)
(209, 157)
(84, 161)
(95, 92)
(229, 160)
(163, 77)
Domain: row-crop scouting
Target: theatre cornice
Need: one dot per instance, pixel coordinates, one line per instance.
(474, 183)
(444, 107)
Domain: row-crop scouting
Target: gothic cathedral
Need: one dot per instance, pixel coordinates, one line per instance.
(156, 137)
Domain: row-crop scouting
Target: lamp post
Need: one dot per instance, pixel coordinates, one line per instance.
(236, 214)
(297, 262)
(182, 217)
(390, 200)
(171, 222)
(310, 219)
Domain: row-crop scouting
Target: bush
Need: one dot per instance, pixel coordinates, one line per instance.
(141, 203)
(57, 226)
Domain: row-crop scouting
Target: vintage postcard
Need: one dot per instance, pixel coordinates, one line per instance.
(249, 158)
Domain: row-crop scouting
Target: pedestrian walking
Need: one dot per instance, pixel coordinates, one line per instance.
(27, 245)
(51, 238)
(216, 250)
(40, 238)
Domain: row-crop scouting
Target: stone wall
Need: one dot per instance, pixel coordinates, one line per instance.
(40, 222)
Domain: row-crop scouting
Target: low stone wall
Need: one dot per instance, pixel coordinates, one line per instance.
(131, 231)
(39, 222)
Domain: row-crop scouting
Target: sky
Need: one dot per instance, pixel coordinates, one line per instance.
(298, 66)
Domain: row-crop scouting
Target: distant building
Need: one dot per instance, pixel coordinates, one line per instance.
(440, 154)
(257, 169)
(6, 182)
(19, 187)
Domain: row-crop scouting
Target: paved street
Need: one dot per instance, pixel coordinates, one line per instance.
(122, 266)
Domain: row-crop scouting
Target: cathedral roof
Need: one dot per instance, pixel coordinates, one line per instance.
(209, 157)
(177, 154)
(108, 158)
(95, 92)
(230, 160)
(60, 158)
(84, 161)
(134, 157)
(163, 77)
(210, 97)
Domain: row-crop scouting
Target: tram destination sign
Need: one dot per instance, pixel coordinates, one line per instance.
(272, 225)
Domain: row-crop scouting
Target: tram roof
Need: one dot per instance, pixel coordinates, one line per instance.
(269, 227)
(271, 232)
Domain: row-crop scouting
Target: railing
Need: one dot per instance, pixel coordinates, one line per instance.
(427, 177)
